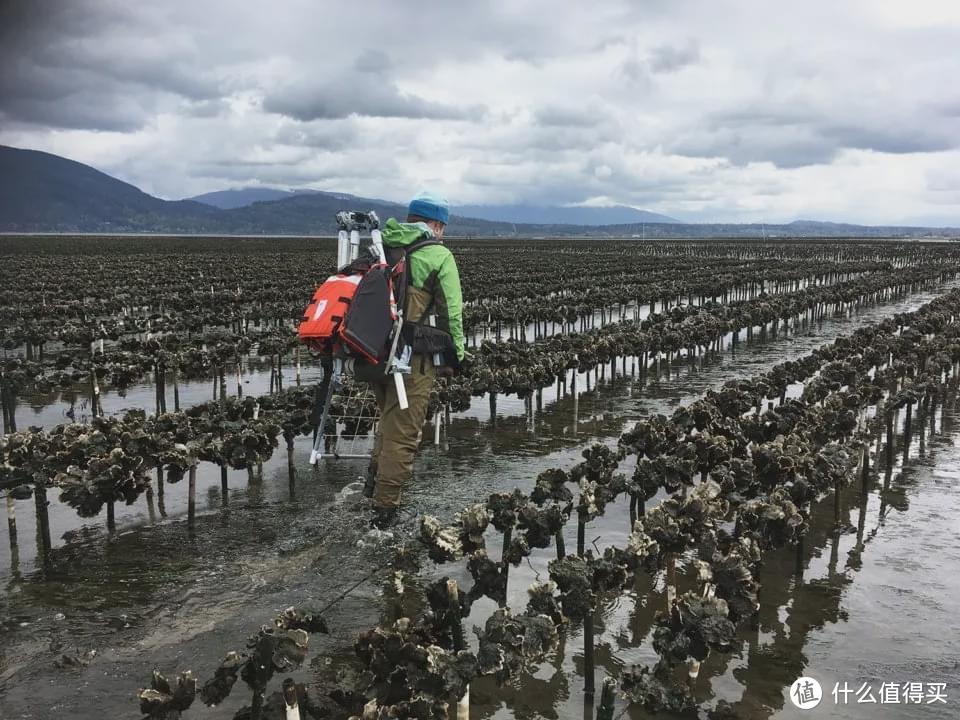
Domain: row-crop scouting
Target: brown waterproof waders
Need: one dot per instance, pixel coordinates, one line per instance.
(395, 446)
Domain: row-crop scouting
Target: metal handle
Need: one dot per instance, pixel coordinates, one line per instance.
(401, 390)
(376, 240)
(343, 249)
(437, 357)
(354, 244)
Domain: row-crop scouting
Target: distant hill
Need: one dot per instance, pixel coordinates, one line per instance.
(517, 214)
(241, 197)
(313, 214)
(817, 226)
(555, 215)
(40, 192)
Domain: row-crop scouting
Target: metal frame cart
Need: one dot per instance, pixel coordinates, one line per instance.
(355, 399)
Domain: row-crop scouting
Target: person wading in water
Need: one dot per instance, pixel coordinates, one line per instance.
(433, 290)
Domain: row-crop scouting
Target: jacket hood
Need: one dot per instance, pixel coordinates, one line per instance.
(398, 234)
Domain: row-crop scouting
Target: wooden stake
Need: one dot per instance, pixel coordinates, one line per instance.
(192, 497)
(94, 394)
(588, 661)
(3, 405)
(176, 387)
(224, 486)
(505, 565)
(291, 468)
(907, 431)
(290, 700)
(12, 522)
(889, 438)
(671, 581)
(43, 520)
(581, 533)
(608, 695)
(459, 643)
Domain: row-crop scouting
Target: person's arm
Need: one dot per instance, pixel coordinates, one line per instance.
(452, 304)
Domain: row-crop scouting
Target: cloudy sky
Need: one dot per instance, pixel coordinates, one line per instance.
(706, 111)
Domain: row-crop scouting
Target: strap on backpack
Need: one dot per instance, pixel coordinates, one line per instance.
(413, 329)
(425, 242)
(407, 252)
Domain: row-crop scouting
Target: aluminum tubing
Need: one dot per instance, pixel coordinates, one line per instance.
(354, 244)
(343, 249)
(377, 240)
(401, 390)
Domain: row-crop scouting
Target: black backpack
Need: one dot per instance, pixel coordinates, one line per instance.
(368, 323)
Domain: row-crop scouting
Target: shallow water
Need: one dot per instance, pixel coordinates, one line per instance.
(871, 607)
(899, 595)
(157, 595)
(47, 410)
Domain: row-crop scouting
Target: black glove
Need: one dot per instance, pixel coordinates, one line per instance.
(452, 363)
(466, 365)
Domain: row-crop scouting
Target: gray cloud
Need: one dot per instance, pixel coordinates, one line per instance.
(86, 65)
(897, 139)
(574, 115)
(949, 108)
(321, 134)
(205, 108)
(357, 94)
(669, 58)
(784, 146)
(373, 60)
(792, 135)
(87, 112)
(635, 71)
(501, 101)
(310, 169)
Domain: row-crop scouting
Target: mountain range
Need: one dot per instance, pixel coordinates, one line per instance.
(566, 215)
(43, 193)
(519, 214)
(241, 197)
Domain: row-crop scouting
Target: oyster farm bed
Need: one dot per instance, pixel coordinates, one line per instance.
(675, 477)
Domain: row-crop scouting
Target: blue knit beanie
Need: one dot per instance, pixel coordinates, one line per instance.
(430, 206)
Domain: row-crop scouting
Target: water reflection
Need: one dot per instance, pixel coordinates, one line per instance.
(792, 607)
(149, 568)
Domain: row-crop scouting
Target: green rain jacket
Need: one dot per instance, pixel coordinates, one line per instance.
(433, 271)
